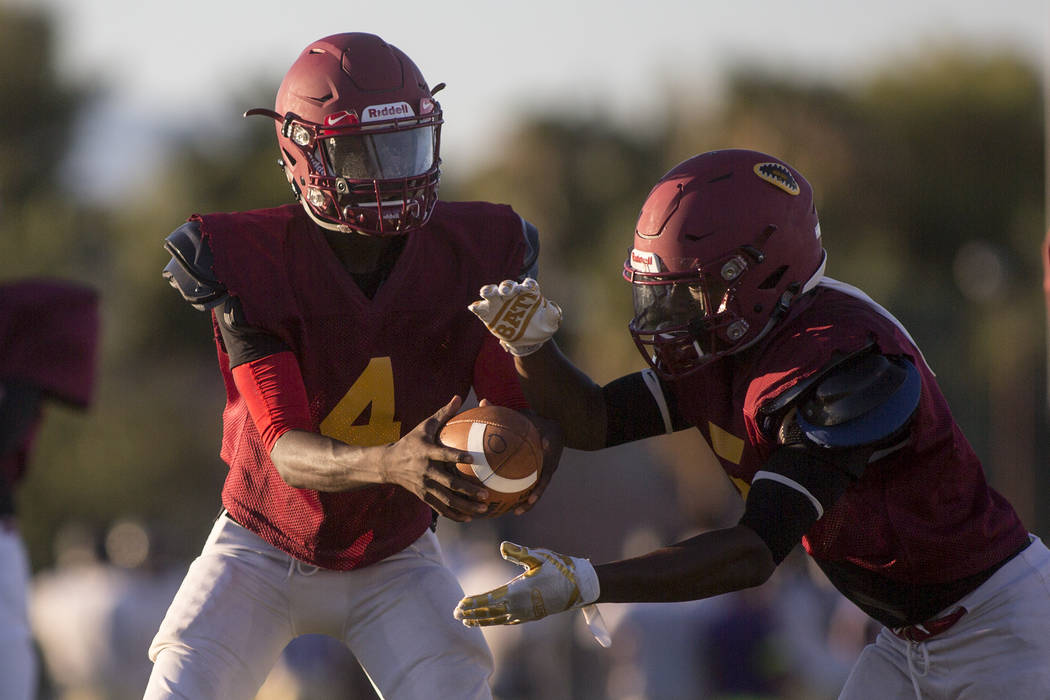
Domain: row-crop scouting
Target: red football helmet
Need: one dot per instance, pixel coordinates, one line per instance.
(724, 243)
(359, 133)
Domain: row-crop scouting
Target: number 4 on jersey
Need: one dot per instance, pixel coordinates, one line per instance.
(373, 388)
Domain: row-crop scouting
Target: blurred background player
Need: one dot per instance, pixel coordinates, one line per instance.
(48, 343)
(344, 342)
(824, 414)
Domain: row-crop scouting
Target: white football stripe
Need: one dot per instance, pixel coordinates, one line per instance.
(482, 470)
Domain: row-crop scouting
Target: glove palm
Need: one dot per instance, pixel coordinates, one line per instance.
(551, 583)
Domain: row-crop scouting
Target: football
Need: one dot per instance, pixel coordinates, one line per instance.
(507, 453)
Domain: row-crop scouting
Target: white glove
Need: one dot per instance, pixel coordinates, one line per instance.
(517, 314)
(551, 583)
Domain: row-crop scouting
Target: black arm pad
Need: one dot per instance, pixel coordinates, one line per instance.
(633, 409)
(778, 515)
(244, 343)
(798, 484)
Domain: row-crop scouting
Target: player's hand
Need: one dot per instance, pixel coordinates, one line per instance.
(552, 583)
(423, 466)
(518, 314)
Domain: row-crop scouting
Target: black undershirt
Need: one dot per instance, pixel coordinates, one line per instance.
(370, 282)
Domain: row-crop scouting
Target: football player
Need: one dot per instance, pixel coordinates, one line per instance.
(48, 344)
(344, 341)
(822, 411)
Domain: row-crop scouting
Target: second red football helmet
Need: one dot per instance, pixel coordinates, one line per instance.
(724, 243)
(359, 133)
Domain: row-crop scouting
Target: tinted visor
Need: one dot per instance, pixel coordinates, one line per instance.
(668, 306)
(389, 155)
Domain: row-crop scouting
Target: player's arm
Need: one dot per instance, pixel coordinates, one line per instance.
(267, 375)
(560, 391)
(785, 499)
(591, 416)
(855, 415)
(858, 412)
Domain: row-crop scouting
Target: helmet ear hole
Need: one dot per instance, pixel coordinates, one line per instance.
(773, 280)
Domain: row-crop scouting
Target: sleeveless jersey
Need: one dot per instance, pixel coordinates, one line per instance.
(373, 368)
(921, 516)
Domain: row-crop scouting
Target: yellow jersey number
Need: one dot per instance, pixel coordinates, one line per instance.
(375, 388)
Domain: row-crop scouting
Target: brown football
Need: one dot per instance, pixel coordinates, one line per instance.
(507, 453)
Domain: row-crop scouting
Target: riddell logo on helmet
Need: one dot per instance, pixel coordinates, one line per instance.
(644, 261)
(392, 110)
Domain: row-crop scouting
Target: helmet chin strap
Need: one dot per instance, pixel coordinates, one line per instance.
(341, 228)
(786, 299)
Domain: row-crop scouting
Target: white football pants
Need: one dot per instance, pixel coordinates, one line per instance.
(243, 600)
(999, 649)
(18, 664)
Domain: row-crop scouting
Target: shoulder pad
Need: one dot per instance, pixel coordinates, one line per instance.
(190, 268)
(530, 266)
(863, 402)
(789, 396)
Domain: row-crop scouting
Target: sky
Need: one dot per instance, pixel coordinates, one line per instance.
(182, 65)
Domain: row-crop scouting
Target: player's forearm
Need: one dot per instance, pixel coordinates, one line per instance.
(558, 390)
(706, 565)
(308, 460)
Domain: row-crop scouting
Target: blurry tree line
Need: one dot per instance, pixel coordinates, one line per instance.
(929, 179)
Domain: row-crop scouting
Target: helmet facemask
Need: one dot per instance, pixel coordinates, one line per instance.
(377, 181)
(359, 133)
(684, 320)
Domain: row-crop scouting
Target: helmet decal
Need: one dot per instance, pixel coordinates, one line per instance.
(777, 174)
(645, 261)
(393, 110)
(341, 118)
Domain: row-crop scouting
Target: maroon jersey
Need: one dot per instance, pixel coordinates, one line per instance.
(921, 516)
(373, 368)
(48, 339)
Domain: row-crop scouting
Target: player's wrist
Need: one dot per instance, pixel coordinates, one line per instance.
(586, 581)
(522, 350)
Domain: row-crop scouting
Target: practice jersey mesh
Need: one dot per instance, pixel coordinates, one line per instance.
(373, 368)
